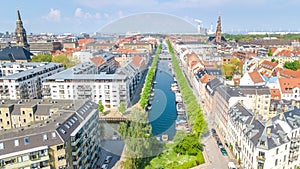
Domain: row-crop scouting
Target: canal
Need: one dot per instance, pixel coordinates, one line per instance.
(163, 114)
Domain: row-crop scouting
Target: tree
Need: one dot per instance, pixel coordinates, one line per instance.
(41, 58)
(64, 60)
(190, 145)
(122, 107)
(141, 146)
(295, 65)
(100, 106)
(270, 53)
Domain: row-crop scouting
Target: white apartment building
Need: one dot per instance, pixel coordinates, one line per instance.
(10, 68)
(27, 84)
(87, 81)
(273, 144)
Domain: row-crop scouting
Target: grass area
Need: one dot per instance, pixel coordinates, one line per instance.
(171, 160)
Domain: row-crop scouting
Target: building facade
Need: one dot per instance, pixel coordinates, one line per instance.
(26, 84)
(69, 139)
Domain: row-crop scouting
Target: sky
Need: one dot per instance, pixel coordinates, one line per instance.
(76, 16)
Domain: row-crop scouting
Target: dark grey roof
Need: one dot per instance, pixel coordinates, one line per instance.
(293, 117)
(256, 131)
(214, 71)
(234, 91)
(62, 124)
(12, 53)
(212, 85)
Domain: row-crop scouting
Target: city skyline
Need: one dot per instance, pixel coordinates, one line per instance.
(91, 15)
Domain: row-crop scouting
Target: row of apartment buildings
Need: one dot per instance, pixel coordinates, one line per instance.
(101, 78)
(55, 134)
(254, 116)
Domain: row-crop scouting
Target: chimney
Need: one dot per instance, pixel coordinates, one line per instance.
(269, 132)
(281, 115)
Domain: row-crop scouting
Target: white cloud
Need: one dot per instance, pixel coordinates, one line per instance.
(54, 15)
(79, 13)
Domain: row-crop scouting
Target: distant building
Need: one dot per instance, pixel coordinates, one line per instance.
(15, 54)
(69, 139)
(218, 38)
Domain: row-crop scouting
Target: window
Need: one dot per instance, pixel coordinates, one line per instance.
(7, 122)
(16, 143)
(6, 114)
(1, 146)
(61, 157)
(23, 112)
(45, 137)
(277, 150)
(30, 115)
(276, 162)
(60, 147)
(0, 120)
(24, 120)
(26, 140)
(53, 134)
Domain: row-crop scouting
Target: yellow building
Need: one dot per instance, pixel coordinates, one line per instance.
(69, 139)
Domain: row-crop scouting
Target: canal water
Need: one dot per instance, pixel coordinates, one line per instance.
(163, 114)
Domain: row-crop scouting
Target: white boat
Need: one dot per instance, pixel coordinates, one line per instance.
(164, 137)
(178, 97)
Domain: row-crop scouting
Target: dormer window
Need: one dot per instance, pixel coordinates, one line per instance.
(262, 143)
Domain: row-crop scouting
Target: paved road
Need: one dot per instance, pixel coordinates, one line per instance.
(112, 148)
(215, 158)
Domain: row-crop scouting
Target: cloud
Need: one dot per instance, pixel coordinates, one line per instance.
(54, 15)
(79, 13)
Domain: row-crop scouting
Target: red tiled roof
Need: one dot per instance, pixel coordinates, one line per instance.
(206, 78)
(268, 65)
(288, 84)
(275, 94)
(289, 73)
(97, 61)
(256, 77)
(138, 61)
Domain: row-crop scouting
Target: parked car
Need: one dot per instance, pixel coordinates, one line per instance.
(107, 159)
(223, 151)
(220, 145)
(213, 131)
(104, 166)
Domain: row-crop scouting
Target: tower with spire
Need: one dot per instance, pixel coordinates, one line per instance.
(219, 31)
(21, 37)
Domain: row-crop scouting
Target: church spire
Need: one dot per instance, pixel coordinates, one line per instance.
(21, 37)
(18, 15)
(219, 31)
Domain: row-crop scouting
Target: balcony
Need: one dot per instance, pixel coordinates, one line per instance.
(261, 158)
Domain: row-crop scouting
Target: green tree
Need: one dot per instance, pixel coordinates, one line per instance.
(141, 146)
(122, 107)
(295, 65)
(190, 145)
(66, 61)
(100, 106)
(41, 58)
(270, 53)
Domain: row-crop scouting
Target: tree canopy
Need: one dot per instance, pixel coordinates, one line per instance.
(100, 106)
(141, 146)
(41, 58)
(295, 65)
(122, 107)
